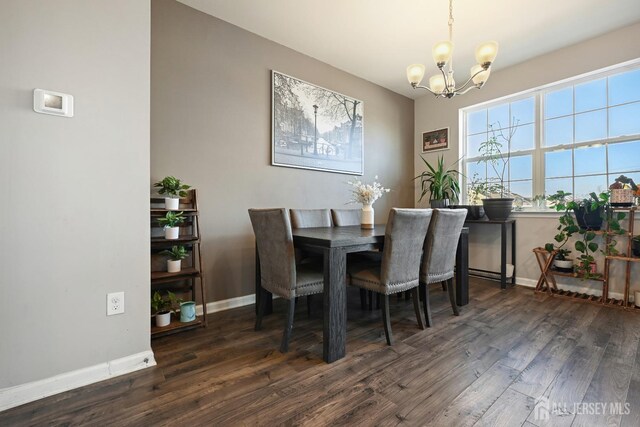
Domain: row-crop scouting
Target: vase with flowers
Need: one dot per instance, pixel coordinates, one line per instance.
(366, 194)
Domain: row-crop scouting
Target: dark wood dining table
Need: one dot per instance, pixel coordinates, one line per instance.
(334, 243)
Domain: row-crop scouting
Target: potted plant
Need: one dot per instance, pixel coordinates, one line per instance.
(171, 222)
(562, 262)
(176, 255)
(475, 194)
(498, 203)
(174, 189)
(623, 191)
(162, 307)
(366, 194)
(440, 182)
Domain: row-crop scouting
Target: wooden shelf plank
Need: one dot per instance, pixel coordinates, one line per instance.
(163, 212)
(161, 241)
(623, 258)
(175, 326)
(164, 276)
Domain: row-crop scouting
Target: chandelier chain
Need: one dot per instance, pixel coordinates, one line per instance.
(451, 20)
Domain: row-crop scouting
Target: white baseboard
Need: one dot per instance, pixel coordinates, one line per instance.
(24, 393)
(227, 304)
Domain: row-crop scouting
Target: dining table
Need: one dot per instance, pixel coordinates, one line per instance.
(334, 243)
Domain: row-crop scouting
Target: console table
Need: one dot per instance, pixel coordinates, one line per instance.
(503, 248)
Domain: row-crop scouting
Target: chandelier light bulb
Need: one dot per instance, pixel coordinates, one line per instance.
(415, 73)
(479, 75)
(442, 53)
(437, 84)
(486, 53)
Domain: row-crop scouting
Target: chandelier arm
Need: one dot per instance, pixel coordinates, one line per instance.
(467, 82)
(425, 87)
(446, 82)
(475, 86)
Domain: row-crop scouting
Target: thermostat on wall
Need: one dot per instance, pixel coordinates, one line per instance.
(49, 102)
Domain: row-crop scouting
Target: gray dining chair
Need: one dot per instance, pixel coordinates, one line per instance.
(439, 255)
(279, 273)
(400, 267)
(346, 217)
(307, 218)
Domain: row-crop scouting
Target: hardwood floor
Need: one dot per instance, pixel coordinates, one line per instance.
(484, 368)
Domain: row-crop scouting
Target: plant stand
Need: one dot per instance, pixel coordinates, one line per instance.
(627, 258)
(190, 279)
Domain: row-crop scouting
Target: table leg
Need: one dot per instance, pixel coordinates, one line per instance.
(268, 308)
(335, 304)
(513, 252)
(462, 269)
(503, 255)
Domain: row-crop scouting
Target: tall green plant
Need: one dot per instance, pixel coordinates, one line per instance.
(496, 155)
(441, 182)
(172, 187)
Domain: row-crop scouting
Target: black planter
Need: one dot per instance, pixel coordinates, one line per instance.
(442, 203)
(635, 247)
(497, 209)
(589, 220)
(474, 212)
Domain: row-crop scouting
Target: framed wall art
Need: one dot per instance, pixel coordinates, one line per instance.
(435, 140)
(315, 128)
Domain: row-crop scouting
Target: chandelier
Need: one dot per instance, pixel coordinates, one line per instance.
(443, 85)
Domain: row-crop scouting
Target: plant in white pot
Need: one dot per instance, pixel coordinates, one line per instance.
(176, 255)
(496, 154)
(171, 223)
(366, 194)
(562, 261)
(162, 307)
(173, 188)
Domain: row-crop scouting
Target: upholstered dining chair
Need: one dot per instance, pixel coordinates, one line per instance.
(400, 267)
(278, 270)
(346, 217)
(438, 260)
(306, 218)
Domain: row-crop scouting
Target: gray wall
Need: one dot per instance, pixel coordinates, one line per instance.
(431, 113)
(211, 126)
(74, 210)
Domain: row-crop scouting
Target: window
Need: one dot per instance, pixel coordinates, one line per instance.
(576, 136)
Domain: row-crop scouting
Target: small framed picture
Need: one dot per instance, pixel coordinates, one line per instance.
(435, 140)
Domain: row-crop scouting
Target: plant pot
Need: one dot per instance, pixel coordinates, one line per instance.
(366, 219)
(635, 247)
(622, 197)
(173, 266)
(497, 209)
(171, 204)
(171, 233)
(163, 319)
(589, 220)
(474, 212)
(187, 311)
(563, 264)
(636, 298)
(439, 204)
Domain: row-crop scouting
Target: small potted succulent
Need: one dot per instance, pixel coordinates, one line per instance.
(176, 255)
(162, 307)
(171, 222)
(173, 188)
(562, 262)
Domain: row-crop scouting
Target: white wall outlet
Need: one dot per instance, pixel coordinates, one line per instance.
(115, 303)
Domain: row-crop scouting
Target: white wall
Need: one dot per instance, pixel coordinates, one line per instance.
(74, 215)
(430, 113)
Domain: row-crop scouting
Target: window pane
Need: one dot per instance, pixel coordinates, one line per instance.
(558, 103)
(523, 111)
(473, 144)
(523, 189)
(558, 131)
(520, 168)
(589, 160)
(495, 170)
(624, 87)
(476, 168)
(477, 122)
(624, 120)
(522, 138)
(558, 163)
(587, 184)
(624, 157)
(591, 96)
(499, 116)
(591, 126)
(552, 186)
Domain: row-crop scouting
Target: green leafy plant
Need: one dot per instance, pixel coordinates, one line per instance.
(176, 253)
(441, 182)
(171, 219)
(562, 254)
(496, 154)
(162, 305)
(172, 187)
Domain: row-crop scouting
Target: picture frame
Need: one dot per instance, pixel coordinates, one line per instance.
(435, 140)
(315, 128)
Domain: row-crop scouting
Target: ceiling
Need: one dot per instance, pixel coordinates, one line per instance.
(377, 39)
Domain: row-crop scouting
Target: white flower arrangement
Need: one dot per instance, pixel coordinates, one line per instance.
(366, 193)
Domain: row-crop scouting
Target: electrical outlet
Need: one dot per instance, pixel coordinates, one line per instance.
(115, 303)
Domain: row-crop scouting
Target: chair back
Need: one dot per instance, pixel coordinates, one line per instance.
(307, 218)
(441, 244)
(274, 241)
(403, 241)
(345, 217)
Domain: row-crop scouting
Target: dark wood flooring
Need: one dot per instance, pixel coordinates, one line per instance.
(485, 368)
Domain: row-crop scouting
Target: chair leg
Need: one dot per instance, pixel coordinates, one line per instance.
(424, 290)
(370, 298)
(386, 320)
(309, 301)
(284, 346)
(363, 299)
(416, 306)
(407, 295)
(377, 301)
(452, 296)
(444, 286)
(261, 305)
